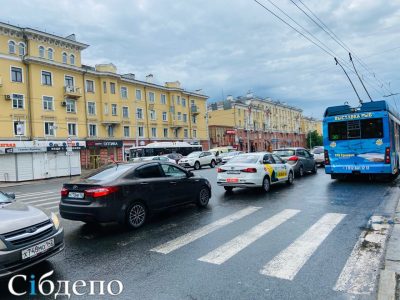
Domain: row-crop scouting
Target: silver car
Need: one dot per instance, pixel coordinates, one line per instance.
(28, 235)
(301, 160)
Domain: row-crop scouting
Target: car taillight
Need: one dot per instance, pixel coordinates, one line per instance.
(100, 192)
(293, 158)
(387, 155)
(219, 170)
(326, 157)
(64, 192)
(249, 170)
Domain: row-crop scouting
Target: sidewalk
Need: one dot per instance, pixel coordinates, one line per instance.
(389, 279)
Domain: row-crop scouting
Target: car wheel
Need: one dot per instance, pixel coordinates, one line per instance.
(301, 171)
(196, 165)
(212, 164)
(315, 169)
(266, 185)
(290, 178)
(203, 197)
(136, 215)
(228, 188)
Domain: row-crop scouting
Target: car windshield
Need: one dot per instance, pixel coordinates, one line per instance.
(284, 152)
(109, 173)
(194, 154)
(4, 198)
(318, 150)
(245, 158)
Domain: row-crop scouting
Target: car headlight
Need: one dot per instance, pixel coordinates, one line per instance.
(55, 220)
(2, 246)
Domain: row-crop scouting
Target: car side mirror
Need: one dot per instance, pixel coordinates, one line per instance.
(190, 174)
(11, 195)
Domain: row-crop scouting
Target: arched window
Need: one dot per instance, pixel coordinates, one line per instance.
(21, 49)
(64, 58)
(11, 47)
(72, 59)
(41, 51)
(50, 53)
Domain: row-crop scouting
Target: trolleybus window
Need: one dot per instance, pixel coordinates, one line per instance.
(364, 129)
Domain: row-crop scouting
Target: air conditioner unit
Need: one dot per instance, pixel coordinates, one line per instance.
(7, 97)
(63, 103)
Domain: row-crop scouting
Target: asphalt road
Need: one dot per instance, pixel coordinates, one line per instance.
(292, 243)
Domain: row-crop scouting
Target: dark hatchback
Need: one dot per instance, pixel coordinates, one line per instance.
(128, 193)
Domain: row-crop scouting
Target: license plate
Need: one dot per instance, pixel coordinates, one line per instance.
(76, 195)
(233, 172)
(38, 249)
(232, 180)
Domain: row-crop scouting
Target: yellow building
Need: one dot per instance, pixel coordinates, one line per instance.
(309, 124)
(48, 94)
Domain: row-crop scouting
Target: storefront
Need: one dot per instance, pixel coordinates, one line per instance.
(100, 152)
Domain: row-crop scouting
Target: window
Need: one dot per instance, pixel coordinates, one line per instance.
(371, 128)
(11, 47)
(356, 129)
(112, 87)
(50, 53)
(72, 129)
(148, 171)
(171, 171)
(21, 49)
(72, 59)
(48, 103)
(110, 130)
(185, 133)
(277, 159)
(90, 86)
(69, 81)
(185, 118)
(178, 100)
(46, 78)
(152, 114)
(49, 128)
(140, 132)
(125, 112)
(183, 102)
(104, 87)
(139, 113)
(64, 58)
(194, 119)
(41, 51)
(18, 101)
(179, 116)
(138, 95)
(151, 97)
(92, 130)
(124, 92)
(114, 109)
(165, 132)
(163, 99)
(176, 133)
(91, 108)
(106, 108)
(126, 131)
(19, 128)
(16, 74)
(153, 132)
(71, 106)
(194, 133)
(164, 116)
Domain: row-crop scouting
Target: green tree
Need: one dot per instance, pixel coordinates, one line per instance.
(314, 138)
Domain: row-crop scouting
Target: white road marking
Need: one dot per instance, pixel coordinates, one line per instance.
(37, 196)
(53, 207)
(362, 267)
(48, 203)
(289, 262)
(234, 246)
(36, 193)
(202, 231)
(41, 200)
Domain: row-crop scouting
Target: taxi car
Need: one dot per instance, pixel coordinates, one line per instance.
(254, 170)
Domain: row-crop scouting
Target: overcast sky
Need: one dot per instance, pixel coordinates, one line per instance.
(227, 47)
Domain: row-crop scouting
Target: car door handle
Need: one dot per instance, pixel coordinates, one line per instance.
(144, 183)
(172, 182)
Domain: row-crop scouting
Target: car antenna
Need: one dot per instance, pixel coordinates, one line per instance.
(358, 96)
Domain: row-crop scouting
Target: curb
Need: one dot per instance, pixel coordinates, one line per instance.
(390, 274)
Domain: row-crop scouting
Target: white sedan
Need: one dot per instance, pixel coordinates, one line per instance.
(160, 158)
(259, 170)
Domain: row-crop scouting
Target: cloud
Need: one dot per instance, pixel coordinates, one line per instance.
(230, 47)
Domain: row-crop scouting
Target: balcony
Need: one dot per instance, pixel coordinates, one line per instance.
(175, 124)
(194, 110)
(72, 92)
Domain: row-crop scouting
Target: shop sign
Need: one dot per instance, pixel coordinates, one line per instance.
(104, 144)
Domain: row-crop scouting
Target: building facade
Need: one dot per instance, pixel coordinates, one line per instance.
(251, 123)
(47, 94)
(309, 124)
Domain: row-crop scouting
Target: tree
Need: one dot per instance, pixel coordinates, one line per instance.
(314, 138)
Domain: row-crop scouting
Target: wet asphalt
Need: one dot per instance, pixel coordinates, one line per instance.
(110, 252)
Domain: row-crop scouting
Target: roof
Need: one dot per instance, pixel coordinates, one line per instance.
(380, 105)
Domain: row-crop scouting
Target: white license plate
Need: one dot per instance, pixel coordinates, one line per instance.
(233, 172)
(38, 249)
(76, 195)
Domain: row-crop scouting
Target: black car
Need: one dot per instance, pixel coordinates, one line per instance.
(127, 193)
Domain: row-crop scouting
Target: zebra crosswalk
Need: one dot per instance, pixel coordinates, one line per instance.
(286, 264)
(48, 199)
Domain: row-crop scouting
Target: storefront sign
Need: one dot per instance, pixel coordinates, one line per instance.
(104, 144)
(25, 149)
(231, 132)
(64, 148)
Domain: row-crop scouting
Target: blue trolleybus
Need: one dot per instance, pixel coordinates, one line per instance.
(361, 140)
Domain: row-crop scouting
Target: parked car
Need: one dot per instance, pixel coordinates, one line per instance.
(198, 159)
(225, 157)
(28, 235)
(318, 153)
(300, 159)
(128, 193)
(254, 170)
(175, 156)
(159, 158)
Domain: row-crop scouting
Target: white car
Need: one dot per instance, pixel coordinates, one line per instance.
(318, 153)
(258, 170)
(160, 158)
(198, 159)
(225, 157)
